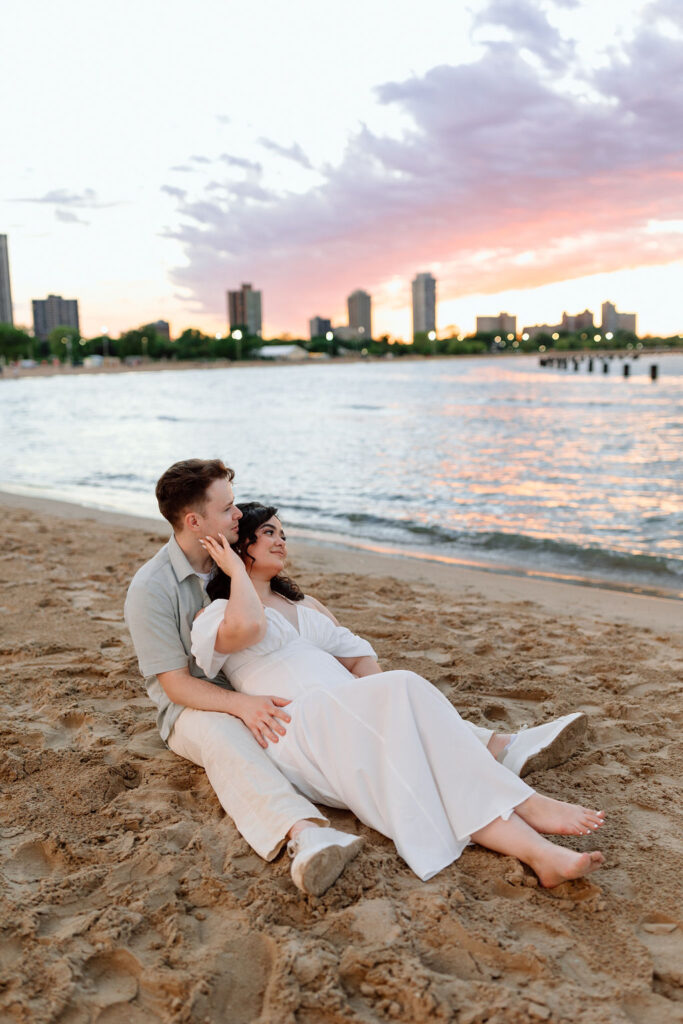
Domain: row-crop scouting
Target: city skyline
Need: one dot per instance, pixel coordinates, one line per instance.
(520, 153)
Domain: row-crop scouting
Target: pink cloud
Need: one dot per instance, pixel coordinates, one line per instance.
(497, 158)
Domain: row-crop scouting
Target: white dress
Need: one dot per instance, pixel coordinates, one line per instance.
(390, 747)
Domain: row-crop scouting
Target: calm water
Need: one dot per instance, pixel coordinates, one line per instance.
(491, 460)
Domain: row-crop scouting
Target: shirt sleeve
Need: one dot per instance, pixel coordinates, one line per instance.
(204, 630)
(336, 640)
(153, 623)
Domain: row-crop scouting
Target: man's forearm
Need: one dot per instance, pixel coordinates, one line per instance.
(183, 688)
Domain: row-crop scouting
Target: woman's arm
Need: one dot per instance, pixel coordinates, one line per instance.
(363, 665)
(244, 620)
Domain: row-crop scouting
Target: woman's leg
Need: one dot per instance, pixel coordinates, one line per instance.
(553, 864)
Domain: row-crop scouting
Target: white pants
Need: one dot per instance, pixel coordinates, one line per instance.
(260, 800)
(262, 803)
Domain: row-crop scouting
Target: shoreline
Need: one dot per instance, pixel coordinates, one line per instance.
(159, 365)
(584, 598)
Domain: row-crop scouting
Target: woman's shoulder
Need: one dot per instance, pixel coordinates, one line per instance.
(317, 606)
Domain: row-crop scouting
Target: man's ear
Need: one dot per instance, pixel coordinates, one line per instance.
(191, 520)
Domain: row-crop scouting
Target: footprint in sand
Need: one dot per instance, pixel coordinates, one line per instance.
(112, 978)
(663, 936)
(31, 862)
(237, 977)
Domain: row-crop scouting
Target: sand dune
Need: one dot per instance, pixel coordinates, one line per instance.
(128, 897)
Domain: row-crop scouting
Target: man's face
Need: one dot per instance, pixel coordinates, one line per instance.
(220, 514)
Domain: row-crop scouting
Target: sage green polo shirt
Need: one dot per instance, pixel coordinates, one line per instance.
(163, 598)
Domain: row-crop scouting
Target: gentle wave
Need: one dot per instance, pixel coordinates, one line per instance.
(541, 550)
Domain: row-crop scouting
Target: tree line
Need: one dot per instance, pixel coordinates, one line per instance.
(67, 345)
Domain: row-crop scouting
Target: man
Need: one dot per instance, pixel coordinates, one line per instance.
(197, 717)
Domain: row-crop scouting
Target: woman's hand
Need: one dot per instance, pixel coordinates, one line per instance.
(223, 555)
(262, 716)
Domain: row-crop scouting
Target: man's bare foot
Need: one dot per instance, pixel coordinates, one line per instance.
(554, 817)
(559, 865)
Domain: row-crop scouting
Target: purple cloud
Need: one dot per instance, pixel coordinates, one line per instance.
(497, 157)
(62, 197)
(529, 27)
(67, 217)
(293, 152)
(240, 161)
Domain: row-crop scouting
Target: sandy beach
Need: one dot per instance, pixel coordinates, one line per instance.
(127, 897)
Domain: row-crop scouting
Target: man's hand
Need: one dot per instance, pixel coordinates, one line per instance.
(223, 555)
(262, 716)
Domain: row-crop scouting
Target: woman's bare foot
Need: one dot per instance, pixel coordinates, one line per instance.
(554, 817)
(557, 864)
(498, 743)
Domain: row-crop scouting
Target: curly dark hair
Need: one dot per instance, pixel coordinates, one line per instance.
(254, 514)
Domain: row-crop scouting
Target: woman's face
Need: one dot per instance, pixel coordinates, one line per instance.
(269, 550)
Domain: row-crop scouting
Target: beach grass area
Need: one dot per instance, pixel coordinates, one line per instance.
(128, 896)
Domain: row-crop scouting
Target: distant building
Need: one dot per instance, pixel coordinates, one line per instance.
(5, 288)
(576, 322)
(534, 330)
(292, 353)
(244, 310)
(424, 304)
(360, 312)
(54, 311)
(163, 329)
(501, 324)
(346, 333)
(614, 321)
(318, 327)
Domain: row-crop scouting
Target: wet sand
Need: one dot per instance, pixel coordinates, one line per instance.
(127, 896)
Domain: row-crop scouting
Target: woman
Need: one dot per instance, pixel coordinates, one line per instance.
(387, 745)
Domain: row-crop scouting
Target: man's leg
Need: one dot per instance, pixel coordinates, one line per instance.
(537, 748)
(263, 804)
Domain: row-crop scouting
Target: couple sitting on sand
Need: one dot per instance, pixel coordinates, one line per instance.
(308, 706)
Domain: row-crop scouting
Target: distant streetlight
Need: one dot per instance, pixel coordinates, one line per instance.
(511, 337)
(237, 335)
(498, 339)
(525, 337)
(556, 336)
(597, 337)
(104, 332)
(541, 348)
(217, 335)
(329, 336)
(609, 335)
(432, 335)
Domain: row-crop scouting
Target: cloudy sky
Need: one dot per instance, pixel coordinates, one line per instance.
(528, 152)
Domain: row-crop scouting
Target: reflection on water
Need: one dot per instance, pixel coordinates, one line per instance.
(491, 458)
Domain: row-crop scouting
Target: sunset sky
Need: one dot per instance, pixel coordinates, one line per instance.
(528, 152)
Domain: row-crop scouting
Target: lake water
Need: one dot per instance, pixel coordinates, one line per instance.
(491, 460)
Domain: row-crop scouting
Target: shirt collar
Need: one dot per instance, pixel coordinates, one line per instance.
(179, 563)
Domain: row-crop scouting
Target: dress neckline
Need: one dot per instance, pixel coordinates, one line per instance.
(269, 608)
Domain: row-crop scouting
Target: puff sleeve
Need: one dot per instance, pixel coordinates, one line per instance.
(204, 630)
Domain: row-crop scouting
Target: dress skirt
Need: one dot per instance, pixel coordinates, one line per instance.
(392, 749)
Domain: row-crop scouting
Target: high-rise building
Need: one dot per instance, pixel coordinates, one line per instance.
(501, 324)
(577, 322)
(5, 288)
(360, 313)
(614, 321)
(163, 329)
(244, 310)
(424, 304)
(318, 327)
(54, 311)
